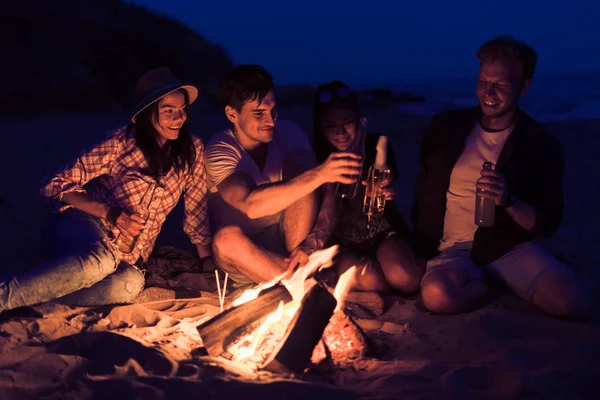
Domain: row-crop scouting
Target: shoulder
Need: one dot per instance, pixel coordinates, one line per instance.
(222, 143)
(455, 117)
(197, 142)
(120, 139)
(540, 136)
(444, 127)
(121, 134)
(222, 153)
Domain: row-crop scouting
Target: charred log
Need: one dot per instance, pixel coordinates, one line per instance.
(217, 332)
(304, 331)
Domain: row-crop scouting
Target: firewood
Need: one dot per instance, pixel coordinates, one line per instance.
(217, 332)
(371, 301)
(344, 339)
(303, 332)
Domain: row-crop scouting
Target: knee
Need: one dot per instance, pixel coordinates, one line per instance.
(562, 295)
(406, 281)
(370, 282)
(226, 240)
(437, 297)
(573, 304)
(134, 283)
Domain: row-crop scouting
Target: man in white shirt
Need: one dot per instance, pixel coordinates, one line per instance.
(263, 182)
(525, 185)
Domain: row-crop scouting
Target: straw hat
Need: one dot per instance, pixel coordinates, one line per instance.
(156, 84)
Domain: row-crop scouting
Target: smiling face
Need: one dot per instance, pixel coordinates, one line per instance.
(339, 125)
(255, 122)
(171, 115)
(499, 87)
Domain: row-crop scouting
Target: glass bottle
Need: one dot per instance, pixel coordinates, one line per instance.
(127, 244)
(348, 191)
(485, 209)
(378, 176)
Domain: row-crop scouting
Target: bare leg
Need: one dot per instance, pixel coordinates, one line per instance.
(234, 252)
(399, 266)
(451, 291)
(298, 219)
(536, 276)
(561, 295)
(370, 277)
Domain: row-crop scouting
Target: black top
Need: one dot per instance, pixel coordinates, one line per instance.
(352, 225)
(532, 162)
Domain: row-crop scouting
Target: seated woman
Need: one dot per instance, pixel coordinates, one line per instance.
(95, 240)
(380, 245)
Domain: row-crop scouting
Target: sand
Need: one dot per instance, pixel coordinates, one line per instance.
(151, 349)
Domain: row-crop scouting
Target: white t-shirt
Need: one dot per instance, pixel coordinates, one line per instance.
(224, 155)
(459, 221)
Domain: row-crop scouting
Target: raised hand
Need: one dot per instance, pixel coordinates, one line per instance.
(341, 167)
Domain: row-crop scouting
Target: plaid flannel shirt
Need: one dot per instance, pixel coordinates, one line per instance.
(117, 162)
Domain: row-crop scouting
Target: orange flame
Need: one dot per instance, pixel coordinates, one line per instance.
(256, 346)
(344, 285)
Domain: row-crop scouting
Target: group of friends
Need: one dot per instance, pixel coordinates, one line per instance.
(259, 198)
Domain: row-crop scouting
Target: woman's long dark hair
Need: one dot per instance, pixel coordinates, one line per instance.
(327, 95)
(179, 153)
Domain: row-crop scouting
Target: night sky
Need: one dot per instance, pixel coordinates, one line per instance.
(374, 42)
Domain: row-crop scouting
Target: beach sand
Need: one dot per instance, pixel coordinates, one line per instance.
(151, 349)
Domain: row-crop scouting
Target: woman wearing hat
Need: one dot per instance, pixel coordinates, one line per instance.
(97, 237)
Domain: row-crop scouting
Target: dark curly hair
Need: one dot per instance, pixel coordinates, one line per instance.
(245, 83)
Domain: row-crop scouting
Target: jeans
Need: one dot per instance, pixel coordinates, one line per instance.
(81, 269)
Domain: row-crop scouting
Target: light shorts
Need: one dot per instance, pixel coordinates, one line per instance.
(521, 269)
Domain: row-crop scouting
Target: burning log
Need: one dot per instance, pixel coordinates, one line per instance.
(217, 332)
(303, 332)
(344, 339)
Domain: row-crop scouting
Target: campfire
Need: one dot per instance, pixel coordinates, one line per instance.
(277, 326)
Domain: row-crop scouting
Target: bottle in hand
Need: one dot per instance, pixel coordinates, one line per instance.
(378, 176)
(348, 191)
(127, 244)
(485, 209)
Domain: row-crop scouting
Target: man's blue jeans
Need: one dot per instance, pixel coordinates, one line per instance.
(81, 269)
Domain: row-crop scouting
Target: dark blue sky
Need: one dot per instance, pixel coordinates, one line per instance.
(372, 42)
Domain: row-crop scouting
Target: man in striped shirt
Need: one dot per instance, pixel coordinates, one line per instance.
(263, 183)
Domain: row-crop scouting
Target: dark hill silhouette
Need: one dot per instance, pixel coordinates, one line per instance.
(85, 55)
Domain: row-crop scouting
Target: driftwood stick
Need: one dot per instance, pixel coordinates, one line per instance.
(216, 331)
(303, 333)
